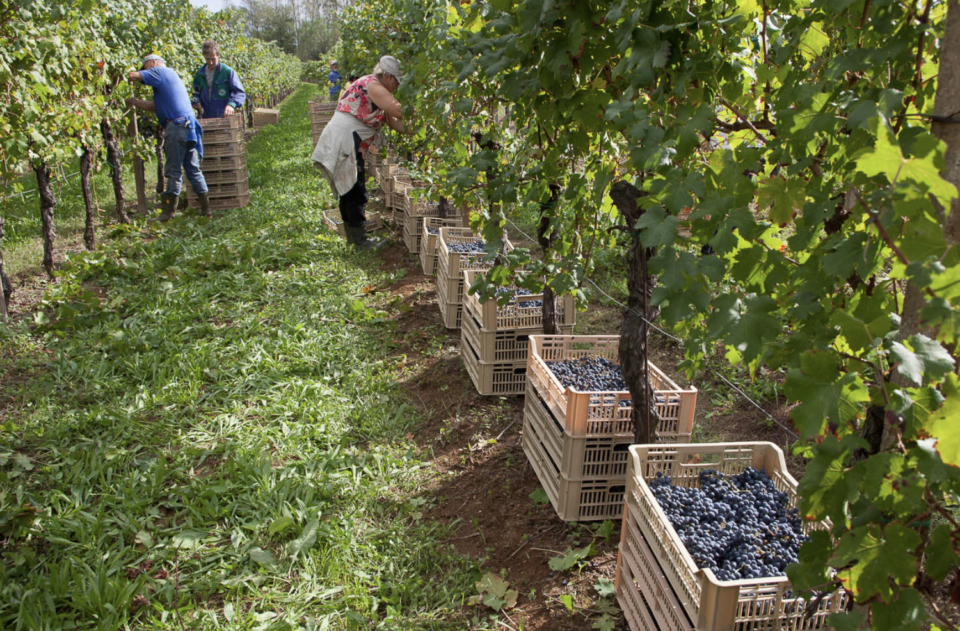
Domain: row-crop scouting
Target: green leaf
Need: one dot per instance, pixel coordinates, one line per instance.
(306, 540)
(263, 557)
(922, 357)
(906, 613)
(604, 587)
(144, 539)
(942, 424)
(605, 623)
(188, 539)
(229, 613)
(943, 553)
(570, 558)
(824, 395)
(540, 497)
(784, 197)
(871, 560)
(495, 592)
(656, 227)
(847, 621)
(567, 601)
(281, 524)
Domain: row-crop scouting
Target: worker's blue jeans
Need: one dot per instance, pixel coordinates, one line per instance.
(179, 153)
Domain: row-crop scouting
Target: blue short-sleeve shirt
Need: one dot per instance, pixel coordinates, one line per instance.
(169, 94)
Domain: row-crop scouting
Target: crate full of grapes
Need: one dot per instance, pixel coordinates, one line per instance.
(413, 214)
(580, 379)
(428, 241)
(718, 522)
(501, 332)
(458, 249)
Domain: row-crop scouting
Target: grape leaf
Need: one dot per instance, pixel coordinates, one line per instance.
(906, 612)
(604, 587)
(570, 558)
(872, 560)
(783, 196)
(824, 394)
(942, 424)
(923, 357)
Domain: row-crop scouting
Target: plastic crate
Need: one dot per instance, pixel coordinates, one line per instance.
(225, 177)
(452, 312)
(234, 189)
(712, 604)
(219, 136)
(226, 122)
(645, 596)
(223, 150)
(493, 379)
(450, 265)
(263, 116)
(576, 458)
(605, 413)
(224, 163)
(573, 500)
(499, 346)
(222, 203)
(428, 241)
(333, 221)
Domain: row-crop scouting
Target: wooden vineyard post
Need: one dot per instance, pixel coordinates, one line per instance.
(139, 174)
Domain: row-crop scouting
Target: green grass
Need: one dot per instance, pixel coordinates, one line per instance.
(206, 445)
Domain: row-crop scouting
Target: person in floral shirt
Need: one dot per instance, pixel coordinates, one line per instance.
(363, 110)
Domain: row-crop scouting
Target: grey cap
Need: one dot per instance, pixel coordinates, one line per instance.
(390, 65)
(151, 58)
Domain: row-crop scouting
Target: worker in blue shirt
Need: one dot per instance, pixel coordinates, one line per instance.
(182, 134)
(217, 90)
(334, 78)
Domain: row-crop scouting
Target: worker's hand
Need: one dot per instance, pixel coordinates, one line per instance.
(132, 102)
(196, 106)
(133, 77)
(228, 110)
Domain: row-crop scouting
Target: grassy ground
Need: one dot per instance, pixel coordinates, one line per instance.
(204, 431)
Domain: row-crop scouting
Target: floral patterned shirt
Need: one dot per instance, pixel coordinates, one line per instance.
(356, 103)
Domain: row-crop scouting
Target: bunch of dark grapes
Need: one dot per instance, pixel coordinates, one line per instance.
(527, 304)
(468, 247)
(739, 526)
(432, 230)
(589, 374)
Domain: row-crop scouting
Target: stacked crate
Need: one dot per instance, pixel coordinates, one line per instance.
(577, 441)
(414, 212)
(320, 115)
(428, 241)
(224, 164)
(450, 268)
(263, 116)
(659, 585)
(494, 338)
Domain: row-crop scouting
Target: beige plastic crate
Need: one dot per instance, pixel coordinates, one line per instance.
(645, 596)
(219, 136)
(223, 150)
(450, 265)
(222, 203)
(225, 163)
(428, 242)
(225, 122)
(604, 413)
(493, 379)
(234, 189)
(603, 458)
(333, 221)
(452, 312)
(492, 317)
(264, 116)
(573, 500)
(499, 346)
(715, 605)
(225, 177)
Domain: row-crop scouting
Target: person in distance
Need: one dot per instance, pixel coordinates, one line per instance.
(217, 90)
(334, 79)
(361, 113)
(182, 134)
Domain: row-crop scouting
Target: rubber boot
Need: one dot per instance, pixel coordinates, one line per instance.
(360, 239)
(168, 206)
(205, 204)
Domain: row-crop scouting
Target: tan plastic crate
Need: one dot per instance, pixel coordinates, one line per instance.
(604, 413)
(333, 221)
(223, 150)
(224, 163)
(644, 594)
(222, 203)
(225, 177)
(573, 500)
(219, 136)
(225, 122)
(602, 458)
(233, 189)
(493, 379)
(715, 605)
(499, 346)
(263, 116)
(451, 311)
(450, 265)
(492, 317)
(428, 241)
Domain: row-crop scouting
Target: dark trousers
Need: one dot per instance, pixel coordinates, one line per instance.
(354, 201)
